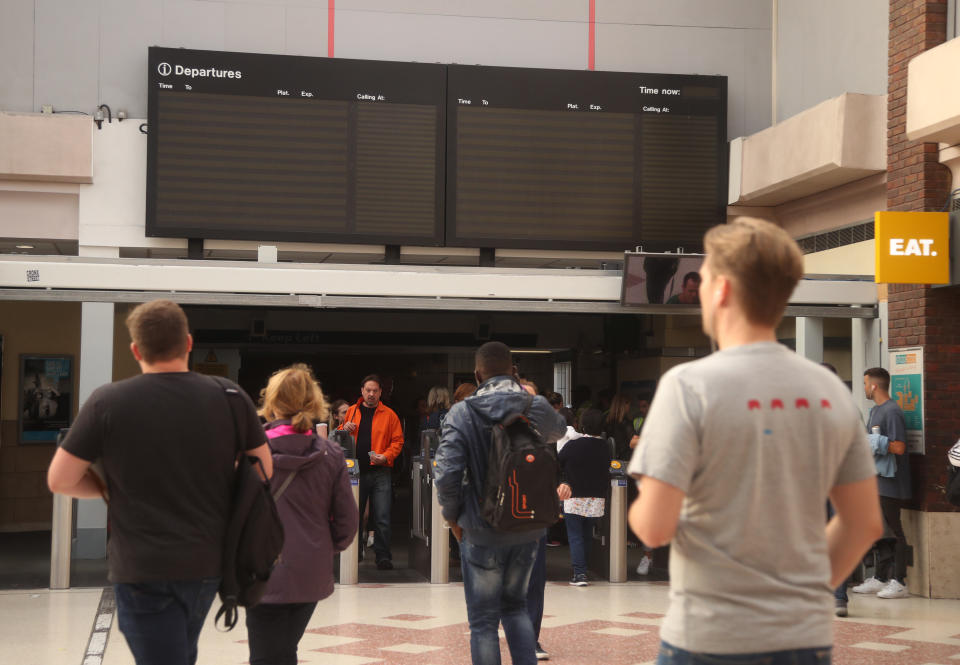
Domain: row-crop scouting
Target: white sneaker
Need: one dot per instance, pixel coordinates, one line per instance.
(644, 566)
(370, 539)
(870, 585)
(894, 590)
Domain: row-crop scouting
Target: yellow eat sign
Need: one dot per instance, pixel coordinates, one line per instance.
(912, 247)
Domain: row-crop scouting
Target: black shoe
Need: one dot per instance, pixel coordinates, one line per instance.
(384, 564)
(579, 580)
(542, 653)
(841, 608)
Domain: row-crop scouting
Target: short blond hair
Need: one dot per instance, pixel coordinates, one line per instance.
(761, 260)
(294, 393)
(438, 398)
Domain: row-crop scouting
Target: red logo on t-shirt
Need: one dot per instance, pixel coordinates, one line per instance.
(530, 458)
(753, 404)
(776, 404)
(803, 404)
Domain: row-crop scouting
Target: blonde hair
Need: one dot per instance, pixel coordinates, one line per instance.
(761, 260)
(438, 398)
(293, 393)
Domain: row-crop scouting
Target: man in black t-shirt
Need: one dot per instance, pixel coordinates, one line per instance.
(167, 440)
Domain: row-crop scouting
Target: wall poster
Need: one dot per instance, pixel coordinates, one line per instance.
(46, 397)
(906, 387)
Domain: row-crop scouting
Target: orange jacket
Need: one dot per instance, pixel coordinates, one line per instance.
(386, 433)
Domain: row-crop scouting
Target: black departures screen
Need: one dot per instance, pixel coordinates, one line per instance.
(269, 147)
(584, 160)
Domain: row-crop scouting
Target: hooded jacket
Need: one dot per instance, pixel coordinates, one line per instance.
(461, 461)
(317, 509)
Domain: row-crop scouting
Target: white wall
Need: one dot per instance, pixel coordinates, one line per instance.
(75, 55)
(826, 48)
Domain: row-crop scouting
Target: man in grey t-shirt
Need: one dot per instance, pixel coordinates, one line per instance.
(738, 455)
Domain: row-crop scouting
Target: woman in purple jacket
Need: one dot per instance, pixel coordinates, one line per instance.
(317, 509)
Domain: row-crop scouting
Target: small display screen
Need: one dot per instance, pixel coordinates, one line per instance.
(271, 147)
(661, 279)
(584, 160)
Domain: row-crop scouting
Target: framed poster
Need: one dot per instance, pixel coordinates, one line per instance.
(906, 388)
(46, 397)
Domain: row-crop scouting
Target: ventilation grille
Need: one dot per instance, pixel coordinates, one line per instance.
(838, 238)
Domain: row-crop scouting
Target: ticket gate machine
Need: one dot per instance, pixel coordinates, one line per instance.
(349, 563)
(608, 551)
(430, 537)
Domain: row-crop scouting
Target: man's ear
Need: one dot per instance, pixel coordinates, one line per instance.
(189, 342)
(136, 352)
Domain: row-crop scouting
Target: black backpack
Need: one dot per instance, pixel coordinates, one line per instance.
(520, 493)
(254, 537)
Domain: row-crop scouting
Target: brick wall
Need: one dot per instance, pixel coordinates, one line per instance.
(920, 315)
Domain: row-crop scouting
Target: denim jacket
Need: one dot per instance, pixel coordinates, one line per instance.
(885, 460)
(461, 461)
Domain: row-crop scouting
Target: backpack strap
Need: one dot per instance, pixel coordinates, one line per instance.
(283, 487)
(231, 394)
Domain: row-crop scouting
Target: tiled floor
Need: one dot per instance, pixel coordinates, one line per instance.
(423, 624)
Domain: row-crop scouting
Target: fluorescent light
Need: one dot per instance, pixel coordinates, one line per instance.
(24, 246)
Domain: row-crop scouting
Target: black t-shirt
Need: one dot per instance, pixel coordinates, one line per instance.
(167, 442)
(364, 432)
(585, 463)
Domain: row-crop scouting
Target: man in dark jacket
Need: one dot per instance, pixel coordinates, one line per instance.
(496, 565)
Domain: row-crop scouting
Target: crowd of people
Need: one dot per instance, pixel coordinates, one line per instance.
(718, 471)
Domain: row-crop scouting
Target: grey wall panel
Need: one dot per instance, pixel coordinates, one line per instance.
(640, 48)
(306, 31)
(757, 73)
(827, 48)
(543, 10)
(192, 24)
(66, 66)
(691, 13)
(515, 43)
(127, 29)
(16, 55)
(254, 28)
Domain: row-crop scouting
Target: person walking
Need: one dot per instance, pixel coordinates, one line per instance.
(747, 442)
(585, 467)
(168, 442)
(496, 565)
(316, 506)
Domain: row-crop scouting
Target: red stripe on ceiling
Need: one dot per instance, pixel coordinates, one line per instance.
(330, 13)
(591, 35)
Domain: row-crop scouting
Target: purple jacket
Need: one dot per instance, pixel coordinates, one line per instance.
(317, 509)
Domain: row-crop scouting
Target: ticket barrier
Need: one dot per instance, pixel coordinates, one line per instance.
(608, 553)
(430, 538)
(349, 563)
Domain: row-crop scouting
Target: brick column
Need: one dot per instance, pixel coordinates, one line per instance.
(920, 315)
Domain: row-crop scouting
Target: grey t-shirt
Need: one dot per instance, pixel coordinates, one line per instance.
(756, 437)
(889, 418)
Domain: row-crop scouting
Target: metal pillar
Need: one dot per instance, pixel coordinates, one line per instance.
(61, 541)
(618, 530)
(439, 542)
(810, 338)
(349, 564)
(865, 353)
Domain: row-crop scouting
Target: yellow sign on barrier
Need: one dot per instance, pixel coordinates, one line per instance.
(912, 247)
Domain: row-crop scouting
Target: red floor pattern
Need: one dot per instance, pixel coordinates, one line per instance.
(581, 644)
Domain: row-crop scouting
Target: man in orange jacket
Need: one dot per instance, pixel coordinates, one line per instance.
(379, 436)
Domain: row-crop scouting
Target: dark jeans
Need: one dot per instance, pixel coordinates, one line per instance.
(537, 586)
(671, 655)
(161, 621)
(840, 593)
(579, 533)
(892, 559)
(274, 631)
(375, 485)
(495, 582)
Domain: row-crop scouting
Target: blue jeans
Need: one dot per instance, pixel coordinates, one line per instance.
(537, 586)
(495, 581)
(161, 621)
(579, 533)
(375, 485)
(671, 655)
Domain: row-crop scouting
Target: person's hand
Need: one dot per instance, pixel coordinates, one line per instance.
(564, 492)
(455, 529)
(378, 460)
(350, 427)
(634, 441)
(897, 447)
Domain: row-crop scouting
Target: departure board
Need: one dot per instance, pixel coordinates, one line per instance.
(584, 160)
(268, 147)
